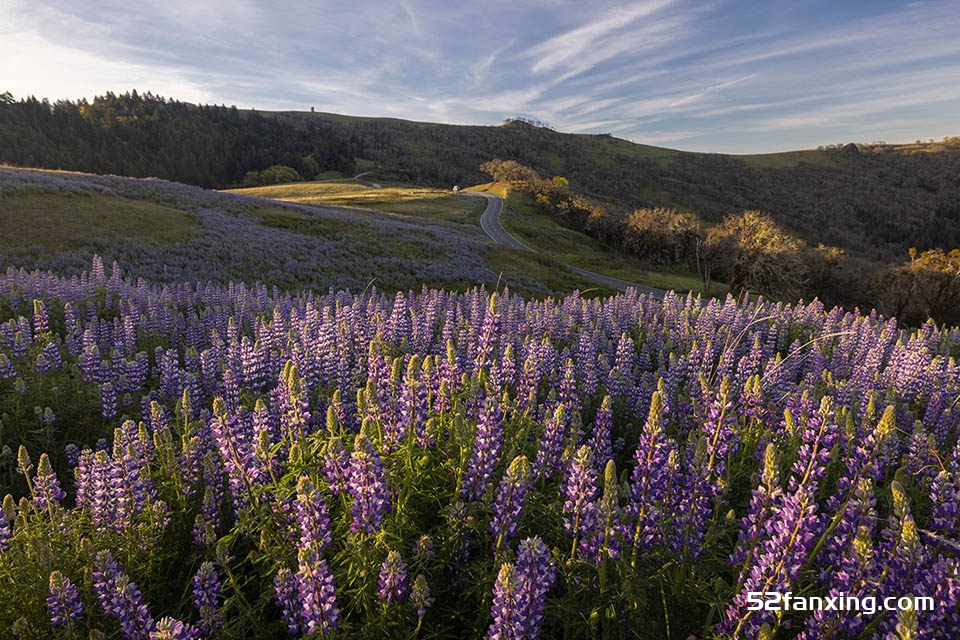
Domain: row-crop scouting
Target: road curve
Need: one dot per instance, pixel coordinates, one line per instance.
(490, 223)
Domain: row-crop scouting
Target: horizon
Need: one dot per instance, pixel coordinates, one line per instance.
(726, 77)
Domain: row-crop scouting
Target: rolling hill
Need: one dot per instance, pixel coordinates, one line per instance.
(874, 201)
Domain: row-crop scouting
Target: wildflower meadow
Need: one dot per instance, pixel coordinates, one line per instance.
(198, 460)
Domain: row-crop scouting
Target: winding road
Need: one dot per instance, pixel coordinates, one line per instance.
(490, 223)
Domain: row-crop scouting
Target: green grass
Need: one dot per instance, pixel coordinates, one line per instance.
(793, 158)
(401, 200)
(543, 269)
(556, 244)
(57, 222)
(608, 151)
(543, 233)
(300, 222)
(362, 164)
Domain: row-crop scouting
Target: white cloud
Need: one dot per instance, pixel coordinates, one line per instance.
(29, 65)
(566, 49)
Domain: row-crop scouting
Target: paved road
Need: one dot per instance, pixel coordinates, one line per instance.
(490, 223)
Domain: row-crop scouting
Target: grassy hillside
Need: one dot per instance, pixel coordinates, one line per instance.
(165, 231)
(555, 243)
(873, 201)
(404, 200)
(543, 233)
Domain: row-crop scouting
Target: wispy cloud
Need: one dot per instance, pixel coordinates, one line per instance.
(567, 48)
(716, 76)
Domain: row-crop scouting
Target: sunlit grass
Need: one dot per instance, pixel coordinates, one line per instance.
(424, 202)
(555, 243)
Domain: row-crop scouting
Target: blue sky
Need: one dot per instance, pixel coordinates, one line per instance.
(724, 76)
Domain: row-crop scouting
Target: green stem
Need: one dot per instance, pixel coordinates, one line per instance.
(666, 614)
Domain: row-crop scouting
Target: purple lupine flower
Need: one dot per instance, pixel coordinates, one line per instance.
(312, 517)
(120, 598)
(108, 400)
(367, 487)
(265, 436)
(51, 353)
(207, 521)
(7, 370)
(64, 602)
(316, 589)
(610, 513)
(458, 522)
(287, 597)
(71, 452)
(19, 345)
(293, 403)
(778, 561)
(420, 595)
(5, 533)
(536, 575)
(601, 439)
(507, 617)
(486, 451)
(651, 479)
(510, 500)
(622, 377)
(760, 514)
(42, 364)
(46, 487)
(393, 578)
(551, 444)
(171, 629)
(336, 465)
(568, 387)
(423, 549)
(237, 453)
(820, 434)
(41, 320)
(92, 480)
(206, 598)
(945, 496)
(852, 574)
(900, 547)
(580, 509)
(131, 486)
(717, 427)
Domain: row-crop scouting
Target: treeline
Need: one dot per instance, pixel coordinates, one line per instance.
(751, 252)
(142, 135)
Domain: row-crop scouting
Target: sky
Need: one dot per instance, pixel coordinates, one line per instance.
(721, 76)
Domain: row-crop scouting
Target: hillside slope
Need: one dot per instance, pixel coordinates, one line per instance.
(875, 201)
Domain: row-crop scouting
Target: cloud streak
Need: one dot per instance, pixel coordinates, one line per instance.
(727, 76)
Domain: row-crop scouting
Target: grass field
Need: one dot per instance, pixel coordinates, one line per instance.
(422, 202)
(62, 221)
(415, 202)
(543, 233)
(556, 244)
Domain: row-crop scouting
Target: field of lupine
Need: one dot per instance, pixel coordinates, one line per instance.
(191, 460)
